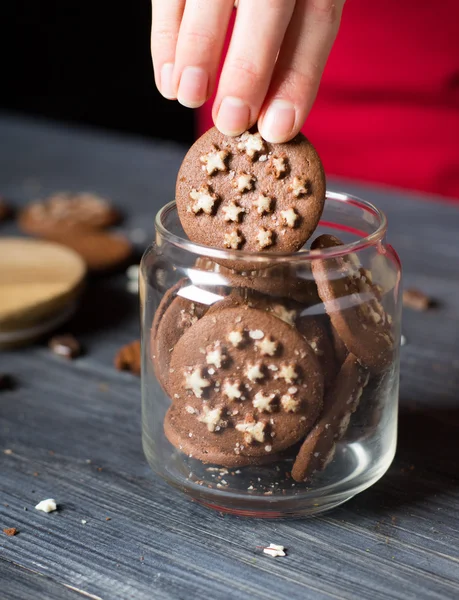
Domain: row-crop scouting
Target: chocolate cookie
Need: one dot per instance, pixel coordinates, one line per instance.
(278, 281)
(246, 194)
(173, 317)
(315, 332)
(342, 400)
(248, 385)
(66, 210)
(101, 251)
(353, 304)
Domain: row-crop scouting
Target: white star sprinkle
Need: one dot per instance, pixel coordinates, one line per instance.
(216, 355)
(267, 347)
(263, 204)
(274, 550)
(195, 382)
(264, 237)
(279, 167)
(253, 431)
(211, 417)
(232, 389)
(204, 200)
(262, 402)
(233, 240)
(233, 212)
(215, 161)
(299, 187)
(235, 338)
(288, 372)
(254, 372)
(244, 183)
(289, 217)
(251, 144)
(289, 403)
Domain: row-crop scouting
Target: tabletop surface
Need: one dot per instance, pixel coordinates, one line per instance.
(72, 429)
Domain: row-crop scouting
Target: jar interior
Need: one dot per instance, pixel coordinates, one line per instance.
(363, 453)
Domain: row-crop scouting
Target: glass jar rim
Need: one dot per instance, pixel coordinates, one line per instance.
(363, 242)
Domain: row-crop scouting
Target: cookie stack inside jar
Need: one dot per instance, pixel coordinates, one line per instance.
(275, 364)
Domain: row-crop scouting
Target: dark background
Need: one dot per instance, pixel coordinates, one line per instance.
(85, 62)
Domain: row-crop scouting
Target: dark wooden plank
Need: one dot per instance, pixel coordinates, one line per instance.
(17, 582)
(398, 540)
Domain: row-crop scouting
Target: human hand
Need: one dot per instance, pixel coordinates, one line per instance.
(273, 67)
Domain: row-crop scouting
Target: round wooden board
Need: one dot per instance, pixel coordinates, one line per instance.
(38, 280)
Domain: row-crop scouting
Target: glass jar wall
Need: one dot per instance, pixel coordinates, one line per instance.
(270, 382)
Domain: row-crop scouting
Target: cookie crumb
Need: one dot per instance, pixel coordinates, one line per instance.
(10, 531)
(66, 346)
(274, 550)
(417, 300)
(47, 506)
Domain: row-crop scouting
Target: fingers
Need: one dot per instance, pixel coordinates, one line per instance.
(257, 37)
(165, 25)
(199, 47)
(299, 68)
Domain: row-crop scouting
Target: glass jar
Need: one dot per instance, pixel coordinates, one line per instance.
(270, 382)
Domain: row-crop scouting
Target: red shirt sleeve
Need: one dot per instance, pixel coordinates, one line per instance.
(388, 106)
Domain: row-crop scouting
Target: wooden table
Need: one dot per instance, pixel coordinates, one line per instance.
(74, 429)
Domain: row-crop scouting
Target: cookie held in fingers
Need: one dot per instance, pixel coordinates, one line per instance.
(353, 303)
(173, 317)
(67, 210)
(340, 402)
(244, 193)
(248, 384)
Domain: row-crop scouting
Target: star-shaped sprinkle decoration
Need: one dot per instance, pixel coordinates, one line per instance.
(211, 417)
(263, 402)
(216, 355)
(289, 217)
(254, 372)
(215, 161)
(265, 238)
(244, 182)
(263, 204)
(233, 240)
(267, 346)
(287, 372)
(232, 389)
(233, 212)
(299, 187)
(204, 200)
(236, 338)
(282, 313)
(279, 167)
(252, 144)
(289, 403)
(274, 550)
(195, 381)
(253, 431)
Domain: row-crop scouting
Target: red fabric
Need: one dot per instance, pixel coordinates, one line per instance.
(388, 106)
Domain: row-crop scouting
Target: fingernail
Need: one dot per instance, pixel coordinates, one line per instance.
(167, 89)
(192, 90)
(233, 116)
(278, 122)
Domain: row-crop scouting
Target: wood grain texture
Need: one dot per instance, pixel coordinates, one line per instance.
(398, 540)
